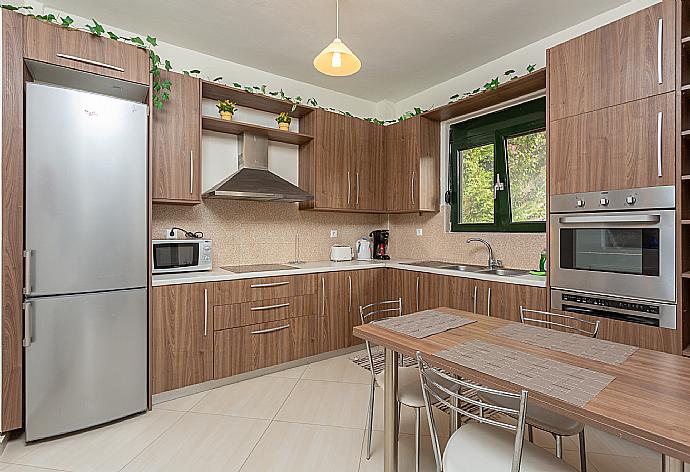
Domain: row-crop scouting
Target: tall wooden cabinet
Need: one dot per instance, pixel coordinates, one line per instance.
(176, 143)
(412, 165)
(181, 336)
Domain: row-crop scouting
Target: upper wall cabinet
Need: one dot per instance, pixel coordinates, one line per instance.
(176, 143)
(412, 165)
(341, 166)
(80, 50)
(627, 60)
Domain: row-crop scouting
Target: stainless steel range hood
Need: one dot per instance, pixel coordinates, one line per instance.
(253, 180)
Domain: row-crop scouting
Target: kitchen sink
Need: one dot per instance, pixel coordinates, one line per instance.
(504, 272)
(464, 268)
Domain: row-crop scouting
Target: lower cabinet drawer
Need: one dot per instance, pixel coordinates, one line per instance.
(263, 311)
(248, 348)
(265, 288)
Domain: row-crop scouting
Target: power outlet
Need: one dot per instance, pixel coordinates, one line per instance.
(168, 231)
(419, 231)
(334, 233)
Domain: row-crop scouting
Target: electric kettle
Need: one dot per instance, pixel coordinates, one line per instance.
(363, 249)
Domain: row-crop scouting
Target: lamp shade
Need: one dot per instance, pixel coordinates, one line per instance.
(337, 60)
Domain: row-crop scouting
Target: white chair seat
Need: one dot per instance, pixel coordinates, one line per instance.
(409, 386)
(481, 447)
(537, 416)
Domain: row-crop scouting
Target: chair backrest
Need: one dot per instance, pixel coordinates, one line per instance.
(460, 396)
(370, 312)
(568, 323)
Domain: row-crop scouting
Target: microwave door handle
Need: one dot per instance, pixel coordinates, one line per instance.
(611, 219)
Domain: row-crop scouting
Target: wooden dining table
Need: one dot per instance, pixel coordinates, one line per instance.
(648, 402)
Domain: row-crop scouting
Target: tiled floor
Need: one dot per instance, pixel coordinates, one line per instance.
(304, 419)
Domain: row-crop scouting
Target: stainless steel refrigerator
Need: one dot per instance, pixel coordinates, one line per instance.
(85, 317)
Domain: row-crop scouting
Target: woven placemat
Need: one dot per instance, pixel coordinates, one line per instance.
(571, 384)
(570, 343)
(423, 323)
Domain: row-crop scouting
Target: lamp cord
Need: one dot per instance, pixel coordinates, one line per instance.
(337, 18)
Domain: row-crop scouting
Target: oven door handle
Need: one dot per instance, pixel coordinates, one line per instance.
(577, 309)
(611, 219)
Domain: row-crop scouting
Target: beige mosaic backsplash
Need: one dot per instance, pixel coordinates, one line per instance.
(516, 250)
(245, 232)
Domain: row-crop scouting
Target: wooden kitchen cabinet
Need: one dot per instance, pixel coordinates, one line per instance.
(334, 319)
(181, 336)
(364, 287)
(503, 300)
(412, 165)
(176, 143)
(83, 51)
(614, 148)
(457, 292)
(341, 166)
(615, 64)
(418, 290)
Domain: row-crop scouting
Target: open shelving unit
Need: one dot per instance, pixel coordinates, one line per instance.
(683, 169)
(242, 98)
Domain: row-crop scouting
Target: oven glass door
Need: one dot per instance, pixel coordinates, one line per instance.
(175, 255)
(632, 251)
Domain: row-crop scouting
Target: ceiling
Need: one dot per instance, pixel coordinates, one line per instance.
(405, 46)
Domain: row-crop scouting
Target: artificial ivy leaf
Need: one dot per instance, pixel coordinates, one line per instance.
(531, 67)
(477, 90)
(9, 7)
(113, 35)
(137, 40)
(151, 40)
(157, 86)
(96, 29)
(166, 84)
(282, 94)
(453, 97)
(66, 21)
(508, 72)
(195, 71)
(235, 84)
(298, 98)
(417, 110)
(273, 93)
(218, 79)
(263, 89)
(249, 89)
(168, 66)
(294, 107)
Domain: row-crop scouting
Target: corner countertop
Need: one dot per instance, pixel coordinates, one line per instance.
(219, 275)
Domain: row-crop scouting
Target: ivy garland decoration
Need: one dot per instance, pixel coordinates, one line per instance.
(162, 89)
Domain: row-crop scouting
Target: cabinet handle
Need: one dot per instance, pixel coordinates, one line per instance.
(271, 330)
(191, 172)
(268, 307)
(412, 186)
(28, 328)
(323, 296)
(349, 283)
(659, 122)
(357, 195)
(348, 188)
(205, 312)
(659, 51)
(27, 272)
(417, 294)
(488, 303)
(474, 300)
(272, 284)
(89, 61)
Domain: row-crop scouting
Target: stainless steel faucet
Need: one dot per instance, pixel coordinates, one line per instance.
(493, 263)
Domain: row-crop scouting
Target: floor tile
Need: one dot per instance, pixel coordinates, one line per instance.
(337, 369)
(407, 418)
(181, 404)
(604, 443)
(103, 449)
(326, 403)
(260, 398)
(612, 463)
(293, 373)
(290, 447)
(201, 442)
(406, 454)
(572, 458)
(23, 468)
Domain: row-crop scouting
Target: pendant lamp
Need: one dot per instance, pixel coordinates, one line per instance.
(337, 59)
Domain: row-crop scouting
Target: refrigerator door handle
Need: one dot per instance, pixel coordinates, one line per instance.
(27, 325)
(27, 272)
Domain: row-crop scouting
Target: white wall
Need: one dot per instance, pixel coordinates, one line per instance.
(534, 53)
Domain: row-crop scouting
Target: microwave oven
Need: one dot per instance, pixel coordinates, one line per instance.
(181, 255)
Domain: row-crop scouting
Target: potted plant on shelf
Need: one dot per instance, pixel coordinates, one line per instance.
(284, 121)
(226, 108)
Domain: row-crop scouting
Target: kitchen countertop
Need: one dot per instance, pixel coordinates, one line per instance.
(219, 275)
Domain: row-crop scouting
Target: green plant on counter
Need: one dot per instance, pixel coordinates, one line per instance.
(284, 118)
(226, 106)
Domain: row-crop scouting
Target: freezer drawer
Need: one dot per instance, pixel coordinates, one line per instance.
(86, 361)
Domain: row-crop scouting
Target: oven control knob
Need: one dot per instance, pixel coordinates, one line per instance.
(631, 199)
(604, 201)
(579, 203)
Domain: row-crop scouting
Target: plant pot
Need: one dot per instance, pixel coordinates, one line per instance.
(284, 126)
(226, 115)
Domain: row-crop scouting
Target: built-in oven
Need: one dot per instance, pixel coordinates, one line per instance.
(184, 255)
(619, 243)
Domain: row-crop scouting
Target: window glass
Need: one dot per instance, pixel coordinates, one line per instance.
(477, 202)
(526, 160)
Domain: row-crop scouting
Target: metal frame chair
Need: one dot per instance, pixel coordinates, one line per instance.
(367, 313)
(448, 390)
(573, 325)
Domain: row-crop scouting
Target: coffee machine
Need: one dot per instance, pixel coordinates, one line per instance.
(380, 237)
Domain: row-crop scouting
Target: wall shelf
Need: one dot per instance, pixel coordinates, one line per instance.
(235, 127)
(516, 88)
(242, 98)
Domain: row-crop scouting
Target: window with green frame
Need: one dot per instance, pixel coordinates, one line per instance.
(498, 171)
